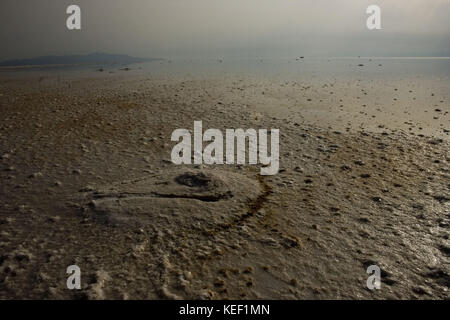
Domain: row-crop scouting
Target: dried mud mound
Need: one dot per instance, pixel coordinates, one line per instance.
(182, 197)
(190, 217)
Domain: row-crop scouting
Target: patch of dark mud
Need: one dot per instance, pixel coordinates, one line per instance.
(440, 276)
(253, 207)
(195, 180)
(445, 250)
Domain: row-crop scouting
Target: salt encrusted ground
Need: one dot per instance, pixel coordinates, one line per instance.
(87, 180)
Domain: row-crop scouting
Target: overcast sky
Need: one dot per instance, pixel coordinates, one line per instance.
(212, 28)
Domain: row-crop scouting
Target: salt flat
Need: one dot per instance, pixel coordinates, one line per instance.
(87, 180)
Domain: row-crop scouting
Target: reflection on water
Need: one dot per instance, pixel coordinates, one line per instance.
(304, 68)
(289, 69)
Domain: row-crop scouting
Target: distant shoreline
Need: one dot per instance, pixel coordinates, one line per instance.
(412, 58)
(73, 60)
(32, 66)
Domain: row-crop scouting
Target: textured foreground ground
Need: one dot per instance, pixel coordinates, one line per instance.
(86, 179)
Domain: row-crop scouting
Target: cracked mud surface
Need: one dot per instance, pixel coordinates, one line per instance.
(86, 180)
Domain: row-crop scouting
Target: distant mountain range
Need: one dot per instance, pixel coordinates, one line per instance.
(93, 58)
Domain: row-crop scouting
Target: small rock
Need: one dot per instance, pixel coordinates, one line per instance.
(36, 175)
(421, 290)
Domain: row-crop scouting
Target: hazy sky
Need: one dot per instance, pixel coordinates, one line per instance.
(222, 28)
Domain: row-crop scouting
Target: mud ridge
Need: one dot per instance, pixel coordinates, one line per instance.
(205, 198)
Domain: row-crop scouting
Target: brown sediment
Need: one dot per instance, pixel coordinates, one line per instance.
(342, 200)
